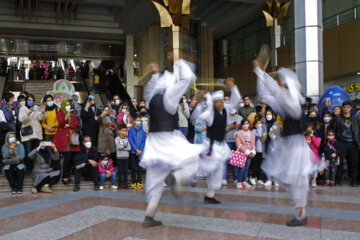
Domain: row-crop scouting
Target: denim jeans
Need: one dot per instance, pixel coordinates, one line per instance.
(243, 172)
(103, 177)
(184, 130)
(232, 146)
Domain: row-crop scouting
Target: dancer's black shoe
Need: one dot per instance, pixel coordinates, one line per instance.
(297, 222)
(208, 200)
(150, 222)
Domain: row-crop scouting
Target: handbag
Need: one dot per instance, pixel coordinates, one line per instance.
(74, 138)
(11, 161)
(238, 159)
(25, 131)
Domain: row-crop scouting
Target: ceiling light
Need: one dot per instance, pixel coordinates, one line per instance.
(109, 46)
(358, 73)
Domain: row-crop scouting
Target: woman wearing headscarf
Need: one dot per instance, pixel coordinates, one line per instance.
(13, 153)
(65, 138)
(43, 175)
(106, 131)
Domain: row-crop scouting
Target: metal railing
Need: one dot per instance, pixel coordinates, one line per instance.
(341, 17)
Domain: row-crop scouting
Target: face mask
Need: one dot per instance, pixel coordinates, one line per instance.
(184, 100)
(104, 162)
(88, 144)
(312, 118)
(67, 108)
(30, 103)
(259, 126)
(12, 139)
(138, 124)
(22, 103)
(327, 119)
(330, 138)
(117, 102)
(43, 148)
(269, 117)
(123, 110)
(245, 127)
(50, 103)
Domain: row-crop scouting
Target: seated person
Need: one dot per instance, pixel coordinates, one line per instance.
(43, 175)
(13, 153)
(106, 170)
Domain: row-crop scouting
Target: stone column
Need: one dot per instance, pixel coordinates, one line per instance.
(308, 32)
(131, 80)
(176, 46)
(275, 43)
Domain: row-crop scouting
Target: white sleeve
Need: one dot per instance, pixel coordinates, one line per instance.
(177, 90)
(2, 116)
(204, 111)
(235, 99)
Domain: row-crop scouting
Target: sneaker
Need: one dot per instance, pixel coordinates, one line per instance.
(19, 192)
(224, 182)
(253, 181)
(239, 186)
(113, 187)
(268, 183)
(133, 186)
(296, 222)
(150, 222)
(208, 200)
(101, 187)
(140, 186)
(46, 189)
(246, 185)
(34, 190)
(260, 182)
(76, 188)
(13, 191)
(276, 184)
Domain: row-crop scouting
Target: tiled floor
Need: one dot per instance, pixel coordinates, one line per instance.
(333, 213)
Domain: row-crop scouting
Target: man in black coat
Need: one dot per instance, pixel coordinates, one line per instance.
(88, 116)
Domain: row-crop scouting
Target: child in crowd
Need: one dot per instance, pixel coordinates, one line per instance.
(314, 143)
(255, 165)
(245, 142)
(330, 150)
(137, 137)
(144, 118)
(106, 170)
(122, 156)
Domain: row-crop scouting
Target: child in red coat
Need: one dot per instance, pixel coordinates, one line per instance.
(314, 143)
(106, 170)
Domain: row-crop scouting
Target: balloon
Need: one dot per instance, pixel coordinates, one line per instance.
(63, 89)
(337, 96)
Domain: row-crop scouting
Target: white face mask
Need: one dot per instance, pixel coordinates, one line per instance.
(259, 126)
(117, 102)
(104, 162)
(269, 117)
(68, 108)
(327, 119)
(22, 103)
(88, 144)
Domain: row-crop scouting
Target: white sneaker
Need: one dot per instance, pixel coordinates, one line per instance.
(276, 184)
(260, 182)
(101, 187)
(253, 181)
(268, 183)
(224, 182)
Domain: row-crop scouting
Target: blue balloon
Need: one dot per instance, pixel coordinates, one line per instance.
(337, 96)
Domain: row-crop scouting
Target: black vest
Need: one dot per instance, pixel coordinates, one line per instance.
(292, 126)
(217, 130)
(160, 119)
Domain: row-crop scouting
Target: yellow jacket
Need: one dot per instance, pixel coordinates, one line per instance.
(50, 120)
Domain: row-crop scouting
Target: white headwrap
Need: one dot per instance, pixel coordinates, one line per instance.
(291, 81)
(218, 95)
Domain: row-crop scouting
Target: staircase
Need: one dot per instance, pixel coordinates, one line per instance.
(39, 88)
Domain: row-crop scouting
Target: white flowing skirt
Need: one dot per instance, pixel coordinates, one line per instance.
(290, 161)
(169, 149)
(220, 153)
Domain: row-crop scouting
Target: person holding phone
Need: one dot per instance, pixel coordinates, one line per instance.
(43, 175)
(90, 126)
(31, 131)
(106, 123)
(50, 124)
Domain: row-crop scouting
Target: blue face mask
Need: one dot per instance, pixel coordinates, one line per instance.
(43, 148)
(30, 103)
(138, 124)
(50, 103)
(12, 140)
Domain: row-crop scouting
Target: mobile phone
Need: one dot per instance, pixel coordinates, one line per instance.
(47, 144)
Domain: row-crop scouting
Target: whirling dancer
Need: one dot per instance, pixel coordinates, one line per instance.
(215, 113)
(290, 163)
(166, 147)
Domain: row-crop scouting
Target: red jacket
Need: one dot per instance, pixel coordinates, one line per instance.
(62, 137)
(109, 167)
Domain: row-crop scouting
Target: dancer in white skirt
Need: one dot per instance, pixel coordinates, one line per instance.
(168, 156)
(290, 163)
(215, 113)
